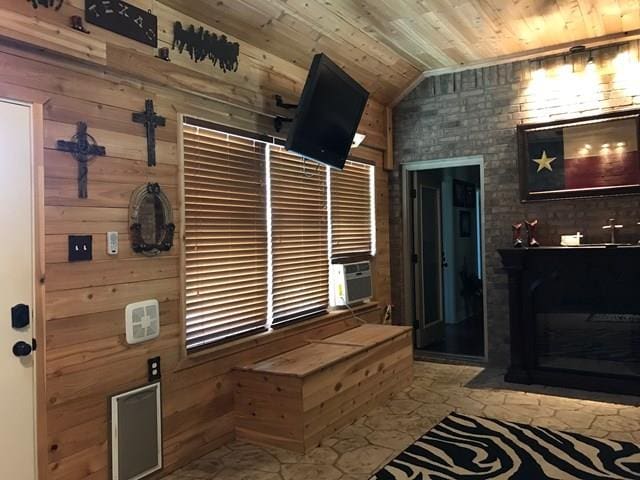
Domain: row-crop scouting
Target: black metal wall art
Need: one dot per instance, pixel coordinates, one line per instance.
(83, 147)
(56, 4)
(202, 44)
(151, 221)
(123, 19)
(150, 120)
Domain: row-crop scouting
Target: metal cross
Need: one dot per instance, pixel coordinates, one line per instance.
(150, 121)
(83, 147)
(613, 227)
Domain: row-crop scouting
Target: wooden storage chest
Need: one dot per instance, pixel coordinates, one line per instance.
(295, 399)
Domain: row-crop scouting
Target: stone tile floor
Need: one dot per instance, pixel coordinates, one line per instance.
(360, 449)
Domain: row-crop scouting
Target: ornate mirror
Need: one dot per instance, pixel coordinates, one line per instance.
(151, 220)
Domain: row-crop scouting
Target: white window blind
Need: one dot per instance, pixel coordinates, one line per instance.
(225, 236)
(257, 232)
(352, 211)
(299, 232)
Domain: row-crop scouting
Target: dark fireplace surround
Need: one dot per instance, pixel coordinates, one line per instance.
(575, 317)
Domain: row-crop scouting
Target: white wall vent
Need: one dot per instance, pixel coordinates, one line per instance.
(142, 321)
(351, 283)
(136, 433)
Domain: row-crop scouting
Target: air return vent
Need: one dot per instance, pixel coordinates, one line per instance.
(136, 433)
(142, 321)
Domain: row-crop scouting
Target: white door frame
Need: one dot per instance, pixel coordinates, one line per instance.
(36, 100)
(476, 160)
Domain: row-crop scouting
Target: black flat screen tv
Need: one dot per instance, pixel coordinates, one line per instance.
(328, 114)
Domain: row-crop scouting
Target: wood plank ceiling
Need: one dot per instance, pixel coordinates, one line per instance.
(387, 44)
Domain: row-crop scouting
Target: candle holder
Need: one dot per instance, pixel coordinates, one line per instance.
(531, 233)
(516, 230)
(163, 54)
(77, 24)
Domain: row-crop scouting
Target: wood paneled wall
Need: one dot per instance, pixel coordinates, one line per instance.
(101, 79)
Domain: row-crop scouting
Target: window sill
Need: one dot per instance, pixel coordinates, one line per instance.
(352, 258)
(216, 352)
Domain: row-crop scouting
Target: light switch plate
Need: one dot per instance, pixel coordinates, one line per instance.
(80, 248)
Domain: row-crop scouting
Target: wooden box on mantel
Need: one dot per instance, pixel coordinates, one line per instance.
(295, 399)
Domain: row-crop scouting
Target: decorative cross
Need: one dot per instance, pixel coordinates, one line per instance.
(150, 121)
(83, 147)
(613, 227)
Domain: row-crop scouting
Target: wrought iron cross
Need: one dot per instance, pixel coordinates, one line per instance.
(83, 147)
(150, 121)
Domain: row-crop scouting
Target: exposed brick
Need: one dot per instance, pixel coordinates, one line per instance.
(476, 113)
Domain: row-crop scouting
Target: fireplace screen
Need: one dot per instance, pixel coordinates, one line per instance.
(589, 342)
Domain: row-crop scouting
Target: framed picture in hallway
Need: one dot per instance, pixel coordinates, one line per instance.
(586, 157)
(465, 224)
(464, 194)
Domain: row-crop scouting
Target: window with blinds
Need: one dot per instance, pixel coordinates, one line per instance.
(352, 210)
(260, 226)
(226, 251)
(299, 237)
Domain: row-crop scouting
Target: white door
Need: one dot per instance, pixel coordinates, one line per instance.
(17, 425)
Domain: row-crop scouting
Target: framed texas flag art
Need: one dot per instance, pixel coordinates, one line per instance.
(587, 157)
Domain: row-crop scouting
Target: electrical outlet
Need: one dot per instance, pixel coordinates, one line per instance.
(80, 248)
(153, 369)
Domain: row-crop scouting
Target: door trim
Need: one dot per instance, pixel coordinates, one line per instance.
(36, 100)
(407, 304)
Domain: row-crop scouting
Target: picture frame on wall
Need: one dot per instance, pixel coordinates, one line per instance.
(470, 195)
(459, 193)
(587, 157)
(465, 224)
(464, 194)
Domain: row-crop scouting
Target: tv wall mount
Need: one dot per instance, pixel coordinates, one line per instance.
(279, 121)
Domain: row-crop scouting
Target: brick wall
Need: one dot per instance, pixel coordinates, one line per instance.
(475, 112)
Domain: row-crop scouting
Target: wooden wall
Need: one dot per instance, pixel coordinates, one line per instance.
(101, 79)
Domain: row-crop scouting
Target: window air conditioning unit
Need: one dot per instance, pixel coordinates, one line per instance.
(351, 283)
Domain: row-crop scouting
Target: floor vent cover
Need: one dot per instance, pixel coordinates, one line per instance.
(136, 433)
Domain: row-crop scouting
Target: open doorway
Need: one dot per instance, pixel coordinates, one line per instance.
(444, 242)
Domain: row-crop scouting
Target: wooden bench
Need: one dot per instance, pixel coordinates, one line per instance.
(295, 399)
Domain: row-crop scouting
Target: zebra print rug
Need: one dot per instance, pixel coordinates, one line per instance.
(468, 447)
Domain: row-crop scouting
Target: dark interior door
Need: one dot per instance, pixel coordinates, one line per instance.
(428, 264)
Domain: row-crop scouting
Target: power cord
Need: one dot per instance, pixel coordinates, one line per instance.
(353, 314)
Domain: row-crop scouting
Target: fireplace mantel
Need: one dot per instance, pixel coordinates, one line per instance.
(575, 316)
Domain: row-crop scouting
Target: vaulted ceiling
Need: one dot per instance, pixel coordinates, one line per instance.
(387, 44)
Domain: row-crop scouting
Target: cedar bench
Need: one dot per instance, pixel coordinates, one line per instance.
(297, 398)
